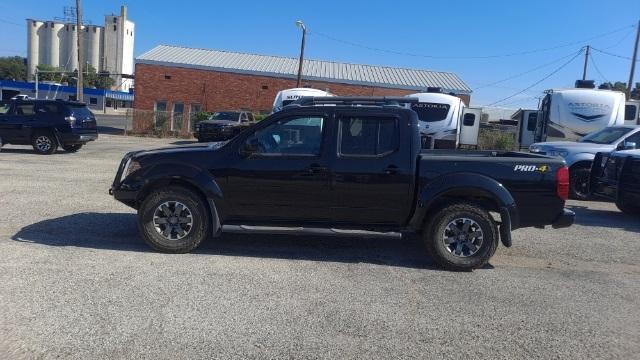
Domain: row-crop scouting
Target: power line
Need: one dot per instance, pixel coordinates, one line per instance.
(615, 55)
(524, 72)
(539, 81)
(593, 62)
(525, 52)
(11, 22)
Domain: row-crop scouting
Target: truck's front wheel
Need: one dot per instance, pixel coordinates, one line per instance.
(461, 237)
(173, 219)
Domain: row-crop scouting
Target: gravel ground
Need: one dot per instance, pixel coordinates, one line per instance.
(76, 281)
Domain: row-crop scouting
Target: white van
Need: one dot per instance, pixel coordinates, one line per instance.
(287, 96)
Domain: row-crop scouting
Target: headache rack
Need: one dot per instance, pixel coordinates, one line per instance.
(395, 101)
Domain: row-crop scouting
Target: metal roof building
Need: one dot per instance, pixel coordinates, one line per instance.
(314, 70)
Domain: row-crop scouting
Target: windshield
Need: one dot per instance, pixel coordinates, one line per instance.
(430, 112)
(225, 115)
(606, 135)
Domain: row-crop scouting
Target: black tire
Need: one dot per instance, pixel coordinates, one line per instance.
(475, 251)
(579, 183)
(72, 147)
(627, 207)
(150, 214)
(44, 143)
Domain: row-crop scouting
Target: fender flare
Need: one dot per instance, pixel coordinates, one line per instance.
(163, 174)
(471, 184)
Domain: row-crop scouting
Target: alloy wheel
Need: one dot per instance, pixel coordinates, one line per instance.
(463, 237)
(173, 220)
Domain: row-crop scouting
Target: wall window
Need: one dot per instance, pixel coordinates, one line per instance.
(368, 136)
(115, 28)
(300, 136)
(167, 77)
(93, 101)
(161, 105)
(178, 107)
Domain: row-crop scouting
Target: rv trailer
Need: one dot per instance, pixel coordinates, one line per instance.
(287, 96)
(569, 114)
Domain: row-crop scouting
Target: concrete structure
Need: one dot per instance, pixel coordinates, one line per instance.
(106, 48)
(99, 101)
(169, 77)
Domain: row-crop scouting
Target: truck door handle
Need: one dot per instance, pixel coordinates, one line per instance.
(316, 168)
(390, 170)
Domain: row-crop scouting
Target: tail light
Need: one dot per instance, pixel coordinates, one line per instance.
(562, 183)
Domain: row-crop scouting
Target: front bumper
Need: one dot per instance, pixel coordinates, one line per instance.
(565, 219)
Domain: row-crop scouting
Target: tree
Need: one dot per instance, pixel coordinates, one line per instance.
(91, 78)
(13, 68)
(50, 73)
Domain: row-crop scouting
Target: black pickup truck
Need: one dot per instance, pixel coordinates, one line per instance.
(616, 176)
(357, 164)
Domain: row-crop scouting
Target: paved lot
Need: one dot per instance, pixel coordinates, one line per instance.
(76, 281)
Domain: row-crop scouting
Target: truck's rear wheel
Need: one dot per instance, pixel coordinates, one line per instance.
(579, 182)
(173, 219)
(461, 237)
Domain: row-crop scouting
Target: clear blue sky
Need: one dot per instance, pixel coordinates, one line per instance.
(455, 29)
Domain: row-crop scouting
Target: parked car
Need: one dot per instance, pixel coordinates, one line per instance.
(616, 176)
(21, 97)
(223, 125)
(579, 155)
(47, 124)
(355, 165)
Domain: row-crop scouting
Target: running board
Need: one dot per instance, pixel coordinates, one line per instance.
(307, 231)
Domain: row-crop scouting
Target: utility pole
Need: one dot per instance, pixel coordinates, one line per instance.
(300, 24)
(633, 61)
(80, 83)
(36, 83)
(586, 59)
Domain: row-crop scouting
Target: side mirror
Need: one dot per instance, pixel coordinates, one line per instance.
(249, 147)
(628, 145)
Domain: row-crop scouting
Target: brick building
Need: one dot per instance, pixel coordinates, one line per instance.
(178, 79)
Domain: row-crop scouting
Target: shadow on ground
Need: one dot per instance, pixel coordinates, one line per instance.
(605, 218)
(9, 149)
(118, 231)
(110, 130)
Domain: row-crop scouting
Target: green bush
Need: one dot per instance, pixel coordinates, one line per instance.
(259, 117)
(496, 140)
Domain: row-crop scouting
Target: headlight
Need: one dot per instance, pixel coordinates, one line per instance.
(561, 153)
(129, 169)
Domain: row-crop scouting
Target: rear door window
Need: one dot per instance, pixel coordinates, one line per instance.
(25, 109)
(368, 136)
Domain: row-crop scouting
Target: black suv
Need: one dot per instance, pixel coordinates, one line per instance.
(223, 125)
(47, 124)
(616, 176)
